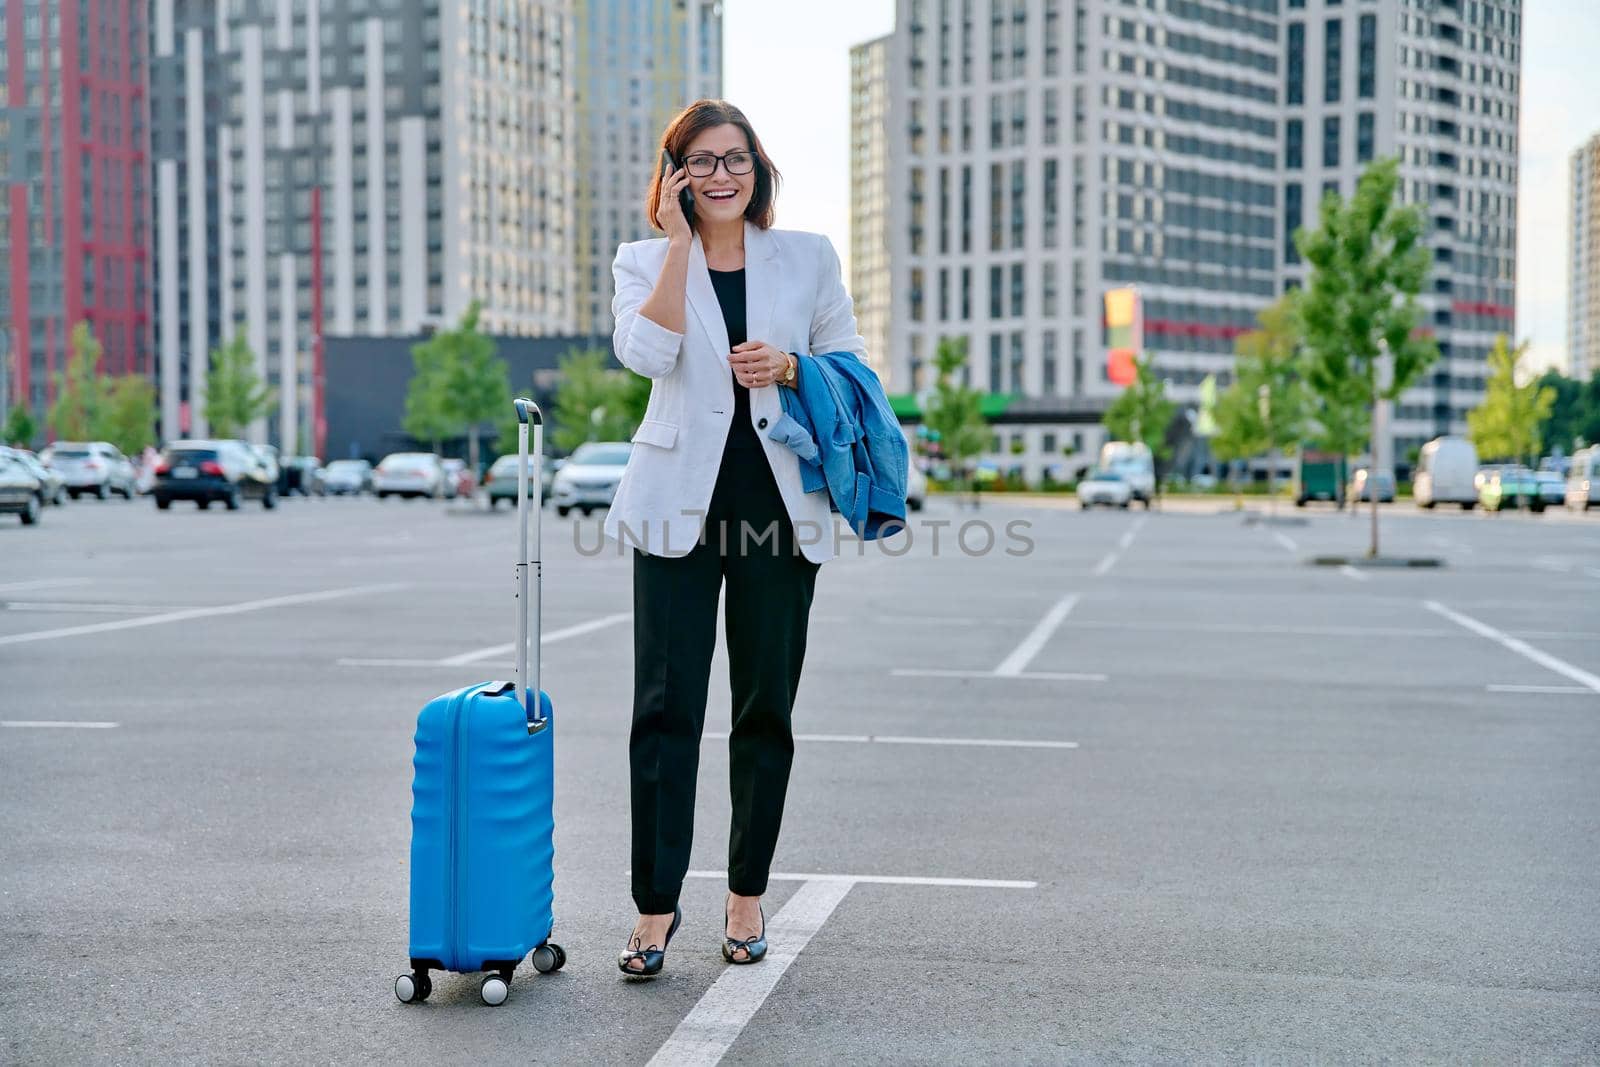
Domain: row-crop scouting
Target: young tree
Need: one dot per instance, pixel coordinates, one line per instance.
(128, 413)
(596, 402)
(477, 383)
(79, 391)
(1269, 369)
(235, 395)
(1142, 412)
(1368, 263)
(956, 413)
(426, 416)
(20, 428)
(1506, 425)
(1561, 427)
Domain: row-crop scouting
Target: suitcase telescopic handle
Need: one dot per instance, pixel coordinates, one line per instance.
(529, 606)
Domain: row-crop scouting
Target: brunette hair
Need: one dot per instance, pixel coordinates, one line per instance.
(689, 123)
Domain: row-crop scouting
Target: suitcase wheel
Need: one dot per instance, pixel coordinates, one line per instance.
(494, 990)
(548, 958)
(413, 988)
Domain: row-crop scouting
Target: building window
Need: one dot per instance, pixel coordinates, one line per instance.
(1295, 68)
(994, 362)
(1051, 205)
(1364, 137)
(916, 294)
(1294, 132)
(997, 282)
(1332, 60)
(1367, 71)
(1330, 141)
(1292, 212)
(1016, 290)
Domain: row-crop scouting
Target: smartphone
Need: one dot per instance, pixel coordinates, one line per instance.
(685, 198)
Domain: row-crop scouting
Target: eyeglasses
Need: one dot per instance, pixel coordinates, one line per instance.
(704, 164)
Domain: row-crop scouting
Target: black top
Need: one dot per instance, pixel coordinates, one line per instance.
(729, 285)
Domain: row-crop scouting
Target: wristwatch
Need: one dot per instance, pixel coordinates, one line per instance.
(788, 375)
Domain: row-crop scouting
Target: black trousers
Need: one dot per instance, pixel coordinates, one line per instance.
(748, 545)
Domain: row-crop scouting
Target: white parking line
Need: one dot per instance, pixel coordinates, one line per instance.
(873, 739)
(43, 583)
(1536, 689)
(477, 657)
(1286, 541)
(1111, 559)
(1013, 664)
(1522, 648)
(71, 607)
(47, 725)
(199, 613)
(883, 879)
(720, 1016)
(1044, 676)
(1350, 572)
(555, 635)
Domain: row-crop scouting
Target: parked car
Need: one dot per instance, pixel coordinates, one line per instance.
(302, 475)
(409, 474)
(589, 477)
(21, 491)
(347, 476)
(207, 471)
(1104, 487)
(1318, 477)
(916, 487)
(1445, 474)
(1365, 484)
(1583, 479)
(1481, 479)
(1511, 486)
(1134, 463)
(455, 475)
(55, 486)
(1552, 488)
(95, 467)
(500, 482)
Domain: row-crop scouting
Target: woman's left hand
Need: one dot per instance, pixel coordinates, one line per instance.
(756, 364)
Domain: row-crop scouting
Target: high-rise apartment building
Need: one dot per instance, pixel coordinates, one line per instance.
(1583, 288)
(354, 166)
(638, 65)
(75, 217)
(869, 199)
(1045, 151)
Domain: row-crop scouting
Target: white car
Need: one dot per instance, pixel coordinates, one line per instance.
(1446, 474)
(95, 467)
(1104, 487)
(347, 476)
(916, 487)
(1583, 479)
(589, 477)
(409, 474)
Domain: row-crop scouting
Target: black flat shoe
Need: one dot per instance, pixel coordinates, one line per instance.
(652, 957)
(755, 948)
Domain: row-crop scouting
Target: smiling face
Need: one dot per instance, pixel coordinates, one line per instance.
(720, 196)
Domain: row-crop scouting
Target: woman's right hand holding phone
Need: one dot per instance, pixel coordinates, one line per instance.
(669, 212)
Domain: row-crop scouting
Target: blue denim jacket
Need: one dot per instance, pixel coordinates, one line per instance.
(838, 421)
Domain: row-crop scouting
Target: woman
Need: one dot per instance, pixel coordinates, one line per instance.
(717, 314)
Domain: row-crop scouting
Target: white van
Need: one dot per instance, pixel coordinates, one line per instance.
(1583, 479)
(1134, 463)
(1445, 469)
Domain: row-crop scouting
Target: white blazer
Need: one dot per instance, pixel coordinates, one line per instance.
(795, 300)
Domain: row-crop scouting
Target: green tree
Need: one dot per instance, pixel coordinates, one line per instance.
(128, 413)
(1269, 369)
(426, 415)
(20, 428)
(235, 394)
(1142, 412)
(1506, 424)
(596, 402)
(1368, 263)
(477, 383)
(1561, 426)
(956, 413)
(75, 414)
(1240, 431)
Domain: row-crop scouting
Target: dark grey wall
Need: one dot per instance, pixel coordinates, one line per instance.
(367, 379)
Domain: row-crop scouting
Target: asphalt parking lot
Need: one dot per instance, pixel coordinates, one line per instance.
(1152, 789)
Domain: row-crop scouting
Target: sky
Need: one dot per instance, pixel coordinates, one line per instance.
(788, 67)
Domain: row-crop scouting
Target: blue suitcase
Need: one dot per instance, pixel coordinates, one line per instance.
(482, 826)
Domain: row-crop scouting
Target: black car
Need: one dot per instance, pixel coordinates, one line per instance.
(20, 492)
(203, 471)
